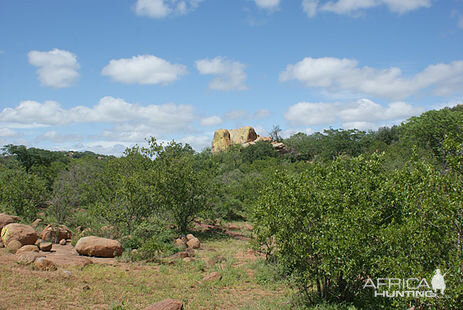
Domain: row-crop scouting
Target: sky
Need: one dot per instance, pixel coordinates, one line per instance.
(104, 75)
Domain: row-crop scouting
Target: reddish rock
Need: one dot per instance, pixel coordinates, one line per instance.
(5, 219)
(45, 246)
(194, 243)
(23, 233)
(168, 304)
(27, 248)
(55, 233)
(97, 246)
(215, 276)
(44, 264)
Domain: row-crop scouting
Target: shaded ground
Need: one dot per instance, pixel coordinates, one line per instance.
(112, 284)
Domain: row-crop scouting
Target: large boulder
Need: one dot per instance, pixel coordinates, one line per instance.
(221, 140)
(168, 304)
(5, 219)
(97, 246)
(242, 135)
(55, 234)
(27, 248)
(25, 234)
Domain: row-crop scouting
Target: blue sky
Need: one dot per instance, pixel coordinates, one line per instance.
(103, 75)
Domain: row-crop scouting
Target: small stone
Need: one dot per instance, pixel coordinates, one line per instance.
(27, 248)
(62, 242)
(179, 242)
(188, 259)
(215, 276)
(45, 246)
(36, 223)
(44, 264)
(13, 246)
(86, 287)
(194, 243)
(168, 304)
(67, 273)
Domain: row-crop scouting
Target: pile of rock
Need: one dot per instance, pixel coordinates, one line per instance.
(245, 136)
(189, 241)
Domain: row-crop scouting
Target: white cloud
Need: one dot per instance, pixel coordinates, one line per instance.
(197, 142)
(310, 7)
(268, 4)
(355, 6)
(344, 74)
(54, 136)
(211, 121)
(163, 8)
(362, 114)
(260, 114)
(144, 69)
(230, 75)
(8, 133)
(161, 118)
(56, 68)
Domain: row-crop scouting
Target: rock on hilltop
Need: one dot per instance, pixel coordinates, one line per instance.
(245, 136)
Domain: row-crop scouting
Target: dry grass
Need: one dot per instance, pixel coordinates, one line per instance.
(134, 285)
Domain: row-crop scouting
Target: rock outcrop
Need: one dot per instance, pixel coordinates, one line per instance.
(244, 136)
(97, 246)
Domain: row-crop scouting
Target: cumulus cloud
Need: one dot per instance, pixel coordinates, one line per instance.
(362, 114)
(163, 8)
(268, 4)
(8, 133)
(144, 69)
(56, 68)
(311, 7)
(338, 74)
(161, 118)
(211, 121)
(198, 143)
(229, 74)
(54, 136)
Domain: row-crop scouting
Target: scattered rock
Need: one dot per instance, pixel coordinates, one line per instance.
(168, 304)
(179, 242)
(27, 248)
(25, 234)
(55, 233)
(45, 246)
(5, 219)
(36, 223)
(44, 264)
(13, 246)
(27, 257)
(67, 273)
(194, 243)
(97, 246)
(183, 254)
(215, 276)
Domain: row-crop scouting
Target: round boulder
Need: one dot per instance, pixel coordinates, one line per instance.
(194, 243)
(5, 219)
(23, 233)
(44, 264)
(45, 246)
(13, 246)
(97, 246)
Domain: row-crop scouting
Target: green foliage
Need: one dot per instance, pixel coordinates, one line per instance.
(20, 192)
(336, 224)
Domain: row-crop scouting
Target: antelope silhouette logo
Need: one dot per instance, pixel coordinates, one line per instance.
(438, 282)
